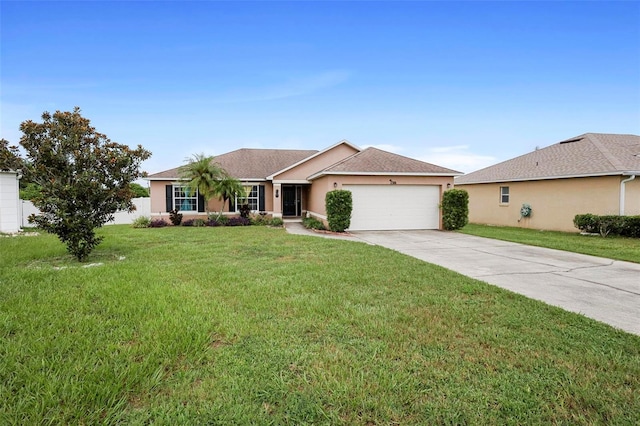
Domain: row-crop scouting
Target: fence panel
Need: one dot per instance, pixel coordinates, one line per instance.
(143, 208)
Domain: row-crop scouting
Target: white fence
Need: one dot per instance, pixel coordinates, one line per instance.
(143, 208)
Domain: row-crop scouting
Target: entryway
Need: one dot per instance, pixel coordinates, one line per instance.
(291, 200)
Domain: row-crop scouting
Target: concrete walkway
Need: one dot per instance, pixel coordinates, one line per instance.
(603, 289)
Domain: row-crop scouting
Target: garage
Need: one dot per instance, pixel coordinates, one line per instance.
(394, 207)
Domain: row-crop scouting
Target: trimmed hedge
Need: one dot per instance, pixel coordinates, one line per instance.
(626, 226)
(455, 209)
(339, 206)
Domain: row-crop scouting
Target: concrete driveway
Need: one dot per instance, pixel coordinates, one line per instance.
(603, 289)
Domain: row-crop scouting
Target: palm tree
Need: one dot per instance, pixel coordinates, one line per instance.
(226, 188)
(203, 174)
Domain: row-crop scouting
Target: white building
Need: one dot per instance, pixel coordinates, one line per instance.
(10, 215)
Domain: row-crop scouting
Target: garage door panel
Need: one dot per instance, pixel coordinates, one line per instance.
(394, 207)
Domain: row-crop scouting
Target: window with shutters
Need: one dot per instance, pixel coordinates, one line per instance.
(185, 199)
(255, 198)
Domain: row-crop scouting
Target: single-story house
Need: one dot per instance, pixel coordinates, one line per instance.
(10, 216)
(592, 173)
(389, 191)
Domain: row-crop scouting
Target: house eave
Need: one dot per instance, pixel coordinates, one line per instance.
(584, 175)
(291, 181)
(176, 179)
(329, 173)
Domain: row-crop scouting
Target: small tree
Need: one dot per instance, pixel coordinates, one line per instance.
(202, 173)
(83, 175)
(227, 188)
(339, 204)
(455, 209)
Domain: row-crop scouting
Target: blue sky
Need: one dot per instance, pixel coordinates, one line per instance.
(459, 84)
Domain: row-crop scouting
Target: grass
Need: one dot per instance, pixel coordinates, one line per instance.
(611, 247)
(251, 325)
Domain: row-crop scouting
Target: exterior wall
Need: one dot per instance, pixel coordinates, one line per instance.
(157, 194)
(158, 201)
(632, 197)
(9, 202)
(324, 184)
(554, 203)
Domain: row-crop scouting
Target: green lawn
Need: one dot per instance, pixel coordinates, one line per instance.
(255, 326)
(611, 247)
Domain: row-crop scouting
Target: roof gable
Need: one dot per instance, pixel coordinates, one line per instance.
(591, 154)
(317, 161)
(376, 161)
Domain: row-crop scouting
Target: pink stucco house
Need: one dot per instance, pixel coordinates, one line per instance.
(390, 191)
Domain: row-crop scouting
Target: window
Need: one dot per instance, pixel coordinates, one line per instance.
(185, 199)
(252, 196)
(504, 195)
(255, 198)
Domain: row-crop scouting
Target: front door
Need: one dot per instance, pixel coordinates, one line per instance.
(291, 200)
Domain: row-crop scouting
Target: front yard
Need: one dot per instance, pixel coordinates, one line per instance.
(254, 326)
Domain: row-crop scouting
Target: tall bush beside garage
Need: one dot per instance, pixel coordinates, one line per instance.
(455, 209)
(339, 205)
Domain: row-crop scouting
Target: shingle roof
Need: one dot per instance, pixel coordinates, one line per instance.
(247, 163)
(373, 160)
(591, 154)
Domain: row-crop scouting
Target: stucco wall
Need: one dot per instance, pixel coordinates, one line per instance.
(554, 202)
(322, 161)
(158, 199)
(325, 184)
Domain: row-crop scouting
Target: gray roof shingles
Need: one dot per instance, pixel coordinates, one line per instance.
(590, 154)
(373, 160)
(248, 163)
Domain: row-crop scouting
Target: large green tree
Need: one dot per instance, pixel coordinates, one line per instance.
(202, 174)
(83, 175)
(9, 156)
(138, 190)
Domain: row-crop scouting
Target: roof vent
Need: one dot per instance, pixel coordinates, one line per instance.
(571, 140)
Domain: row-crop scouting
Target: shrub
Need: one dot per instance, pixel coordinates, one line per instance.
(245, 210)
(141, 222)
(175, 217)
(188, 222)
(339, 205)
(199, 222)
(609, 225)
(631, 227)
(586, 222)
(276, 221)
(259, 219)
(313, 223)
(626, 226)
(455, 209)
(239, 221)
(157, 223)
(217, 220)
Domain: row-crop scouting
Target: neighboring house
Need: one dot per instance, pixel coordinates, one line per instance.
(389, 191)
(9, 202)
(592, 173)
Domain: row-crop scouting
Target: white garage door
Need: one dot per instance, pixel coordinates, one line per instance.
(394, 207)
